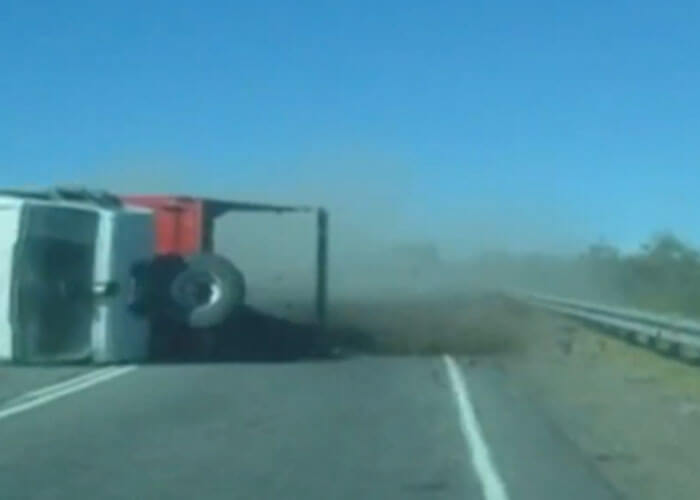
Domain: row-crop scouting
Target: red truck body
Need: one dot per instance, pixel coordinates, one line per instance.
(185, 227)
(180, 223)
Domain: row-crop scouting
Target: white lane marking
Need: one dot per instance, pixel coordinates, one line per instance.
(491, 482)
(65, 391)
(60, 385)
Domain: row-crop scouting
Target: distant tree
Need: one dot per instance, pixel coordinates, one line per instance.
(665, 274)
(665, 248)
(601, 252)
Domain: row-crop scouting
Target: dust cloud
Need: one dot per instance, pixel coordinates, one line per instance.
(406, 273)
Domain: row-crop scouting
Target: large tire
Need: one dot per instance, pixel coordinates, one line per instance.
(207, 291)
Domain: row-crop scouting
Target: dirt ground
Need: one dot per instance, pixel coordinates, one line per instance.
(471, 324)
(634, 412)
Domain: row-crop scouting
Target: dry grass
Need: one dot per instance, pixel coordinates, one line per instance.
(634, 412)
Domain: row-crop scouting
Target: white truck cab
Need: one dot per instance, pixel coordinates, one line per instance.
(66, 279)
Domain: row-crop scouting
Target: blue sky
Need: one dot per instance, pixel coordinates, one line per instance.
(524, 125)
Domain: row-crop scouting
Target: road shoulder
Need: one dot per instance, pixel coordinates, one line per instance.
(535, 458)
(633, 412)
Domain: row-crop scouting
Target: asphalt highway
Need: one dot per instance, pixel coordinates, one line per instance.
(359, 428)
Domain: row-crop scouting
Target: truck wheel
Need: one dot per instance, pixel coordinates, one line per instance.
(207, 291)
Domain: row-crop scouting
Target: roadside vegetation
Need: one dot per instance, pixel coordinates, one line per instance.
(663, 275)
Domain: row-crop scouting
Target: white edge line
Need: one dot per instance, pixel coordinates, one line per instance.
(491, 482)
(62, 392)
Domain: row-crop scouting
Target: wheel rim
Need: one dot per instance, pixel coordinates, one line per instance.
(199, 290)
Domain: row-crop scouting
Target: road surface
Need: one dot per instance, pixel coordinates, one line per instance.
(360, 428)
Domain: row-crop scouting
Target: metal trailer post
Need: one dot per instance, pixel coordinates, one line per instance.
(322, 267)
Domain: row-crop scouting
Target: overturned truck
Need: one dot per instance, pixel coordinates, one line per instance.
(89, 276)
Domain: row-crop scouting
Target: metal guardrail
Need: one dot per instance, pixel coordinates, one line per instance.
(646, 327)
